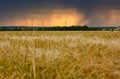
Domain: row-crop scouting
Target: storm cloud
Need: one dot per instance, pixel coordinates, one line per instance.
(94, 12)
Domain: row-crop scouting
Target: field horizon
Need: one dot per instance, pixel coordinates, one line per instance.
(60, 28)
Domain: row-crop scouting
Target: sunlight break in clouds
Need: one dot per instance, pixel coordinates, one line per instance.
(67, 17)
(59, 12)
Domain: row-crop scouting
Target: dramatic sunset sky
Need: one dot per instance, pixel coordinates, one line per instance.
(59, 12)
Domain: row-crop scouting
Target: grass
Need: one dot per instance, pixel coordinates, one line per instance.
(59, 55)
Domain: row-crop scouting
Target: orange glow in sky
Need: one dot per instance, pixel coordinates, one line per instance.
(67, 17)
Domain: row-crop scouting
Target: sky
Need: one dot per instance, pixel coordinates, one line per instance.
(59, 12)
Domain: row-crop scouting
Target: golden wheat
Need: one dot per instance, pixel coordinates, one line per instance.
(59, 55)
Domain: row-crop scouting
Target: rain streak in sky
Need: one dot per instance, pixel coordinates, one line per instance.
(59, 12)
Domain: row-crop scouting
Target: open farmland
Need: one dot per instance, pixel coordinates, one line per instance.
(59, 55)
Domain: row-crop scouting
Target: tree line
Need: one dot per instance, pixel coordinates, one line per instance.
(55, 28)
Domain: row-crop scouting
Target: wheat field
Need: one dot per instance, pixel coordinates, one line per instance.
(60, 55)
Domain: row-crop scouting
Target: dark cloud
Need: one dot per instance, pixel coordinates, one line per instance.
(13, 8)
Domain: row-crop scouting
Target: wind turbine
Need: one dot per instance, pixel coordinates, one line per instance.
(32, 23)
